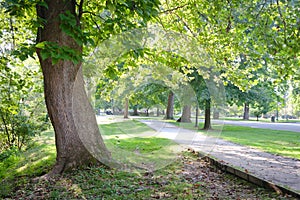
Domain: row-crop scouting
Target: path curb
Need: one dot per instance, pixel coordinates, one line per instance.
(249, 177)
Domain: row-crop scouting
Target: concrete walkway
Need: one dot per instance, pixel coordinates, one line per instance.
(279, 170)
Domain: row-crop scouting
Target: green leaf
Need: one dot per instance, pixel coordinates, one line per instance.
(45, 55)
(40, 45)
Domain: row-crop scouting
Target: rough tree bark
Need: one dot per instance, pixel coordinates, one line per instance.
(246, 111)
(72, 120)
(207, 120)
(170, 107)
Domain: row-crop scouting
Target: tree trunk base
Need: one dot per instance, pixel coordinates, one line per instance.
(207, 129)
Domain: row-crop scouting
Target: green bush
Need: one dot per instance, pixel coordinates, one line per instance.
(22, 111)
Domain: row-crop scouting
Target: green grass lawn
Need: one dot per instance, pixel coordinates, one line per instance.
(133, 143)
(285, 143)
(18, 167)
(280, 120)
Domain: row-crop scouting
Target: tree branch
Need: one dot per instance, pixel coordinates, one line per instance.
(93, 14)
(263, 5)
(229, 26)
(186, 25)
(12, 32)
(173, 9)
(283, 21)
(80, 9)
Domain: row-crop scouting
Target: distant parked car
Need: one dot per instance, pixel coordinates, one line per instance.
(288, 117)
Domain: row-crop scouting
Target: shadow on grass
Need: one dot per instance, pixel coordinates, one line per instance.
(18, 168)
(143, 154)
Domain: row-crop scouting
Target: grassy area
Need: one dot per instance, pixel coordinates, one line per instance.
(285, 143)
(19, 167)
(125, 128)
(280, 120)
(133, 143)
(186, 177)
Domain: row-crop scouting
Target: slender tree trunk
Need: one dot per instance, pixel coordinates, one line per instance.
(157, 112)
(207, 120)
(186, 113)
(246, 111)
(69, 110)
(197, 114)
(126, 108)
(170, 107)
(135, 110)
(216, 114)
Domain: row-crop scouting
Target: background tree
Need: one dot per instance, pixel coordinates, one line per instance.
(261, 98)
(203, 97)
(244, 37)
(170, 106)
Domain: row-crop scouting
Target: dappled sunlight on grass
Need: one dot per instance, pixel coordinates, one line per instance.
(143, 153)
(285, 143)
(37, 160)
(131, 142)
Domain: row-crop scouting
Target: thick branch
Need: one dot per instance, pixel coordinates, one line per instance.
(12, 32)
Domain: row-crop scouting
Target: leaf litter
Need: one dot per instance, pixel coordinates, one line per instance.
(190, 177)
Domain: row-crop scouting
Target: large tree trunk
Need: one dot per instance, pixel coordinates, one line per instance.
(170, 107)
(186, 114)
(126, 108)
(207, 120)
(246, 111)
(73, 120)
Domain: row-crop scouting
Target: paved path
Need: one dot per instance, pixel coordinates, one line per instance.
(276, 169)
(274, 126)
